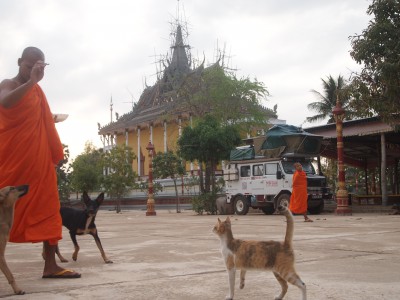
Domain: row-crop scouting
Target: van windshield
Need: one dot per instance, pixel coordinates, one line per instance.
(289, 168)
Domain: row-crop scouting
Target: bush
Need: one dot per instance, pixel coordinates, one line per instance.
(205, 203)
(143, 186)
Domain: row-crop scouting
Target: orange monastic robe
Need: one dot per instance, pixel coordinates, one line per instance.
(29, 150)
(298, 200)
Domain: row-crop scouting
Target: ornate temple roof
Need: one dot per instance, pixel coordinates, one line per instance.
(158, 99)
(166, 100)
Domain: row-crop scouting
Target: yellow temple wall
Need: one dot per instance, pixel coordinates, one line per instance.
(158, 139)
(172, 135)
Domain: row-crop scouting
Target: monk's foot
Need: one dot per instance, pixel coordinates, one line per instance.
(59, 272)
(308, 220)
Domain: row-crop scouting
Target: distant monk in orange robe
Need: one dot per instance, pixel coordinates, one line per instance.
(298, 200)
(30, 148)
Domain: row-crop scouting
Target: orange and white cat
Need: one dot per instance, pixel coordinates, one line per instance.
(265, 255)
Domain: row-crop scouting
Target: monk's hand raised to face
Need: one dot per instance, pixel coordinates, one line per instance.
(37, 71)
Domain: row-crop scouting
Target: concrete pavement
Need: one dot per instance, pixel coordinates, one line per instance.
(176, 256)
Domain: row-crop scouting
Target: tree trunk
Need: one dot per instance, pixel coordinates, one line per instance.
(201, 179)
(383, 171)
(118, 204)
(213, 164)
(208, 177)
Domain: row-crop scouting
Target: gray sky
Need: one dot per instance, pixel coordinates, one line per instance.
(98, 49)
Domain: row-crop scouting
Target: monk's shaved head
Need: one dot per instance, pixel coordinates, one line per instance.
(32, 52)
(30, 56)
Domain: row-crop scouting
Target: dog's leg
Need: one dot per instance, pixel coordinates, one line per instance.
(62, 258)
(10, 277)
(76, 246)
(4, 268)
(98, 243)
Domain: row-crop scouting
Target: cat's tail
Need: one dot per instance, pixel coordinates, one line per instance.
(289, 225)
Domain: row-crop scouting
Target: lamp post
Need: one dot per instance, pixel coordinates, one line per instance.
(150, 201)
(342, 200)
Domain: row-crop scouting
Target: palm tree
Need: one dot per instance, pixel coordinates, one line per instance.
(327, 100)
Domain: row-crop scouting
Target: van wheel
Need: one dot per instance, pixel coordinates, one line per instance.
(241, 206)
(283, 199)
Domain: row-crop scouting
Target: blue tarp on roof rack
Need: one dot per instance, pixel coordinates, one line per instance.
(291, 139)
(242, 153)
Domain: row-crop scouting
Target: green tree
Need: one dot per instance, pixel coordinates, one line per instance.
(228, 99)
(327, 100)
(329, 169)
(208, 142)
(143, 186)
(87, 170)
(63, 176)
(169, 165)
(377, 86)
(119, 177)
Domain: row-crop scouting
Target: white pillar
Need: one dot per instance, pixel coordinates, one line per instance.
(126, 136)
(104, 141)
(138, 151)
(108, 140)
(179, 127)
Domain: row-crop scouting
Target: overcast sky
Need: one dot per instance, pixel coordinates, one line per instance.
(98, 49)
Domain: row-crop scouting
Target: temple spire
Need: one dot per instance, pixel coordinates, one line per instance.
(179, 61)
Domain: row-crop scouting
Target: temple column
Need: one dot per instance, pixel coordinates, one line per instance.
(179, 127)
(151, 133)
(342, 197)
(150, 201)
(138, 152)
(108, 140)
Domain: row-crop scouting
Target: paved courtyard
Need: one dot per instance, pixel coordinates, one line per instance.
(176, 256)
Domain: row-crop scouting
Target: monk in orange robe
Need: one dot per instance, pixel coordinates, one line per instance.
(30, 148)
(298, 199)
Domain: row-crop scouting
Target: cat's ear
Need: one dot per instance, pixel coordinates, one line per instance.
(228, 220)
(219, 221)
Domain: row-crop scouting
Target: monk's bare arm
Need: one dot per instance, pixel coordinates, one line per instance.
(11, 92)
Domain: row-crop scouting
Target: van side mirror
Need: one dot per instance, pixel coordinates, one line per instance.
(279, 175)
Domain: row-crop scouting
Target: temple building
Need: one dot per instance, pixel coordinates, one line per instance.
(159, 116)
